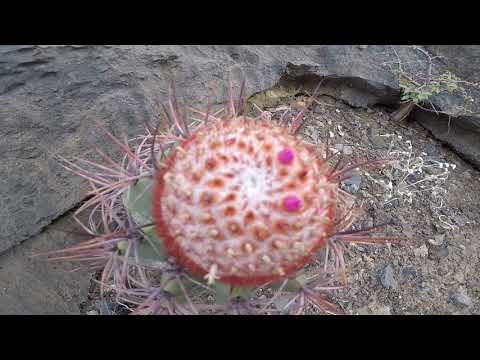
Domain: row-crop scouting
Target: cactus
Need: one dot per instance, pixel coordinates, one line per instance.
(218, 208)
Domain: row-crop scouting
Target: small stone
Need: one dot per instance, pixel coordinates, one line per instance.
(346, 149)
(105, 307)
(438, 252)
(92, 312)
(432, 150)
(409, 271)
(387, 278)
(381, 310)
(459, 220)
(437, 240)
(473, 285)
(373, 309)
(352, 184)
(460, 298)
(421, 251)
(362, 311)
(376, 140)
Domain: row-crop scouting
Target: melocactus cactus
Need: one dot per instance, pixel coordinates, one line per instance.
(219, 205)
(244, 202)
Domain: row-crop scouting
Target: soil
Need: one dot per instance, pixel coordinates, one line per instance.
(436, 268)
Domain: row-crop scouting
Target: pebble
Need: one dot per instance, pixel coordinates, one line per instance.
(437, 240)
(387, 278)
(460, 298)
(376, 140)
(432, 150)
(352, 184)
(409, 271)
(438, 252)
(104, 307)
(92, 312)
(347, 149)
(373, 309)
(459, 220)
(421, 251)
(384, 310)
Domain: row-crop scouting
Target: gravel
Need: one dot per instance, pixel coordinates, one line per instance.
(387, 278)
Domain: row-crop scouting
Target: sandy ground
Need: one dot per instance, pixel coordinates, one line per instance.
(437, 269)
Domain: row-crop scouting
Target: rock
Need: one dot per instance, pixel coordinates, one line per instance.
(381, 310)
(373, 309)
(105, 307)
(33, 286)
(464, 60)
(345, 69)
(421, 251)
(409, 272)
(378, 142)
(438, 252)
(461, 298)
(346, 149)
(437, 240)
(375, 139)
(474, 285)
(460, 220)
(463, 139)
(459, 127)
(352, 184)
(92, 312)
(432, 150)
(387, 278)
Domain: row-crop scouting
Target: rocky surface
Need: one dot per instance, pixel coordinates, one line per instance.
(436, 268)
(463, 60)
(459, 126)
(51, 95)
(32, 286)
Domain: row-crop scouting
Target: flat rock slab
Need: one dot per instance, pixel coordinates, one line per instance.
(31, 286)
